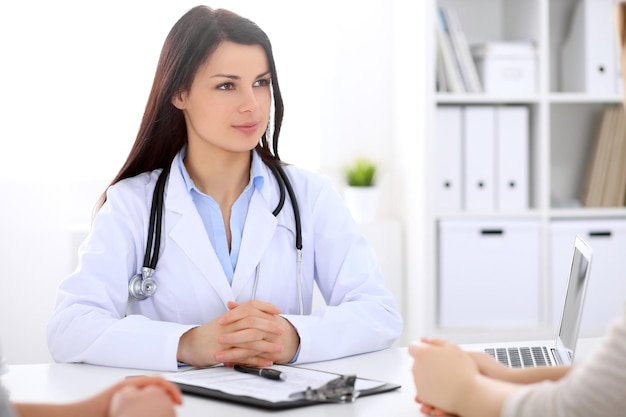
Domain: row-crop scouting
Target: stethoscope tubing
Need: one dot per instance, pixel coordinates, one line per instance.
(156, 218)
(155, 229)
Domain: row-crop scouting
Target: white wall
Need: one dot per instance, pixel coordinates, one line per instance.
(34, 257)
(75, 78)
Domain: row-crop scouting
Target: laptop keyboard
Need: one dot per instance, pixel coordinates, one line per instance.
(521, 357)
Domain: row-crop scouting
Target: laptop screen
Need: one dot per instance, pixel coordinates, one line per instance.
(574, 298)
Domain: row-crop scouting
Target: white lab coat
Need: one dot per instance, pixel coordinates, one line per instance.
(95, 321)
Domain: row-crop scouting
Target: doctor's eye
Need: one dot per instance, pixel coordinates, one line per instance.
(264, 82)
(226, 86)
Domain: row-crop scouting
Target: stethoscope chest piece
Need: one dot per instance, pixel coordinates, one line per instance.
(142, 286)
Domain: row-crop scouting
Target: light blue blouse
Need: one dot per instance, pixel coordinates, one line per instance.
(212, 218)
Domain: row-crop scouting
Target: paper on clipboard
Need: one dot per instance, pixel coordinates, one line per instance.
(227, 380)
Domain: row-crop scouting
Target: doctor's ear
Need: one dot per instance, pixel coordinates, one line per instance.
(620, 24)
(620, 28)
(179, 100)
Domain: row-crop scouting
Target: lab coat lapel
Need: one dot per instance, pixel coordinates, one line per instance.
(257, 234)
(189, 233)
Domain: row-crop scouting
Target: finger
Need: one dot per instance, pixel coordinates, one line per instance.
(257, 304)
(257, 362)
(262, 347)
(432, 411)
(246, 335)
(416, 347)
(244, 311)
(434, 341)
(250, 339)
(263, 327)
(274, 357)
(231, 305)
(170, 388)
(242, 356)
(255, 308)
(478, 355)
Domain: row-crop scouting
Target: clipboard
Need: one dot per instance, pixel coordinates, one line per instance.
(225, 384)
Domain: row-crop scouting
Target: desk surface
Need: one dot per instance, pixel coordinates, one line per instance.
(56, 382)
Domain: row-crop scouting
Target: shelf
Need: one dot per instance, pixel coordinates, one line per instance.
(587, 213)
(562, 129)
(448, 98)
(556, 98)
(583, 98)
(530, 214)
(554, 213)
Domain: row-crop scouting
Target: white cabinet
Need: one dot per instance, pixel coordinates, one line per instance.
(489, 274)
(606, 291)
(561, 130)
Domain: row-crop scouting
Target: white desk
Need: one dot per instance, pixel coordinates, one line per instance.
(69, 382)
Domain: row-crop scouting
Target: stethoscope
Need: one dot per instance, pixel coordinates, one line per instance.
(143, 285)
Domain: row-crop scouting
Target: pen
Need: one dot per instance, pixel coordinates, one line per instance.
(267, 373)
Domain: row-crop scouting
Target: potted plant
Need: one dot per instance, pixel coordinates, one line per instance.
(361, 173)
(361, 192)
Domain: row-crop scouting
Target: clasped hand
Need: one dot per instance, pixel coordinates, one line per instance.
(444, 374)
(250, 333)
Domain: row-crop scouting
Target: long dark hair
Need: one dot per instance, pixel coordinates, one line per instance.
(189, 44)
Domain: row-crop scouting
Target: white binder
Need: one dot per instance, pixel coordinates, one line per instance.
(444, 43)
(448, 160)
(589, 54)
(479, 151)
(462, 51)
(512, 158)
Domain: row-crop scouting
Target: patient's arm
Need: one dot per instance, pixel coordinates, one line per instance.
(490, 367)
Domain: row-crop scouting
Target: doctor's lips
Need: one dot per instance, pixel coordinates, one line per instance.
(247, 128)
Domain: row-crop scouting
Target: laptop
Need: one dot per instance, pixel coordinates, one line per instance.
(526, 355)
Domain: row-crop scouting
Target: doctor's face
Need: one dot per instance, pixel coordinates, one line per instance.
(228, 105)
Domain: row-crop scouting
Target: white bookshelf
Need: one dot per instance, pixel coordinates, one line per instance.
(561, 131)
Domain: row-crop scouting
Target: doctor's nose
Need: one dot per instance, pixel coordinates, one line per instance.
(249, 100)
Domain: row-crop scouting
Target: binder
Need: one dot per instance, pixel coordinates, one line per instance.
(512, 157)
(595, 175)
(589, 54)
(441, 82)
(454, 83)
(603, 182)
(621, 171)
(479, 158)
(462, 51)
(612, 195)
(448, 158)
(302, 387)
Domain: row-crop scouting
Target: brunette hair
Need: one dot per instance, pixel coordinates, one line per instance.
(190, 42)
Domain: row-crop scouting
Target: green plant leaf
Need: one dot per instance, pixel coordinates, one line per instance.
(361, 173)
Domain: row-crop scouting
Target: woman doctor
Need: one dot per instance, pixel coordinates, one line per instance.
(239, 246)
